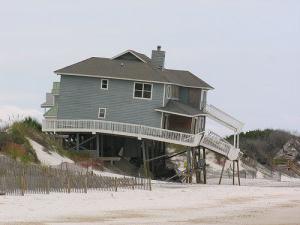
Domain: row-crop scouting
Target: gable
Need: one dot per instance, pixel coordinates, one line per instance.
(130, 55)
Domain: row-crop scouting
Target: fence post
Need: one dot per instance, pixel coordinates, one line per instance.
(68, 184)
(116, 184)
(86, 183)
(132, 180)
(22, 184)
(47, 182)
(150, 188)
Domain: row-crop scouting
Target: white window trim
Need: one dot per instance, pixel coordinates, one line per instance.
(102, 83)
(203, 92)
(105, 109)
(169, 91)
(142, 90)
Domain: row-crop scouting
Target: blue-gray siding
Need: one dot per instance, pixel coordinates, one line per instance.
(81, 97)
(184, 95)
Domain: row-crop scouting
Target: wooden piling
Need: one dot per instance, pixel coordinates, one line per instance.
(116, 184)
(238, 171)
(222, 170)
(233, 166)
(204, 167)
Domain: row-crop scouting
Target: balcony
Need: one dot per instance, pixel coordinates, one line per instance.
(209, 140)
(49, 101)
(56, 88)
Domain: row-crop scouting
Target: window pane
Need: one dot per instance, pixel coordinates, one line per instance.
(138, 94)
(101, 113)
(104, 84)
(138, 86)
(169, 91)
(147, 87)
(147, 94)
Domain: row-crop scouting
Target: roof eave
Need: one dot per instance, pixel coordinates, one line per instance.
(120, 78)
(180, 114)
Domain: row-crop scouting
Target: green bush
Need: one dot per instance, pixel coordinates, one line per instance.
(32, 123)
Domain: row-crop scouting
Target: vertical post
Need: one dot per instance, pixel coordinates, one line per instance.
(144, 158)
(101, 144)
(238, 171)
(133, 183)
(86, 183)
(233, 165)
(150, 187)
(116, 184)
(234, 139)
(68, 184)
(77, 141)
(204, 168)
(23, 183)
(188, 165)
(197, 158)
(152, 156)
(147, 162)
(222, 170)
(47, 181)
(98, 144)
(200, 169)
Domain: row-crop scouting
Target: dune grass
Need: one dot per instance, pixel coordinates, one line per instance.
(14, 142)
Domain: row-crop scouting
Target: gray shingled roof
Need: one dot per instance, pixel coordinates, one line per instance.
(132, 70)
(179, 108)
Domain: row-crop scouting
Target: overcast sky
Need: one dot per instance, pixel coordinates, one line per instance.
(249, 51)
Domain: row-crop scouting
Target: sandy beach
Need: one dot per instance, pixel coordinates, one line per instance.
(166, 204)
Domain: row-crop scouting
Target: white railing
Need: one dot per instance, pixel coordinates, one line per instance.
(218, 144)
(209, 140)
(219, 115)
(126, 129)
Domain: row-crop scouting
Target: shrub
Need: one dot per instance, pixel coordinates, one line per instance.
(32, 123)
(18, 152)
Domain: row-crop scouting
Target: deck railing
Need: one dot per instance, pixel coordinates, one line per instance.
(126, 129)
(217, 114)
(218, 144)
(207, 139)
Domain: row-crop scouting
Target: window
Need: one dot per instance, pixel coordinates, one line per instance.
(172, 92)
(169, 92)
(203, 99)
(102, 113)
(104, 84)
(142, 90)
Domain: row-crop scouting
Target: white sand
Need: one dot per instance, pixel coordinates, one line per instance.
(48, 159)
(166, 204)
(262, 202)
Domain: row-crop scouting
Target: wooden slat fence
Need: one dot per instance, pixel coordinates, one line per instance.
(17, 178)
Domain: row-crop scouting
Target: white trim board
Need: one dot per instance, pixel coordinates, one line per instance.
(180, 114)
(128, 51)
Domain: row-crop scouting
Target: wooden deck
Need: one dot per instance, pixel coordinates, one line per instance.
(209, 139)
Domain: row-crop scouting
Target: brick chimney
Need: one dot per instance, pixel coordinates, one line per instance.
(158, 58)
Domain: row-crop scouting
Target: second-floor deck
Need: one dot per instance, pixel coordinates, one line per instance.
(208, 139)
